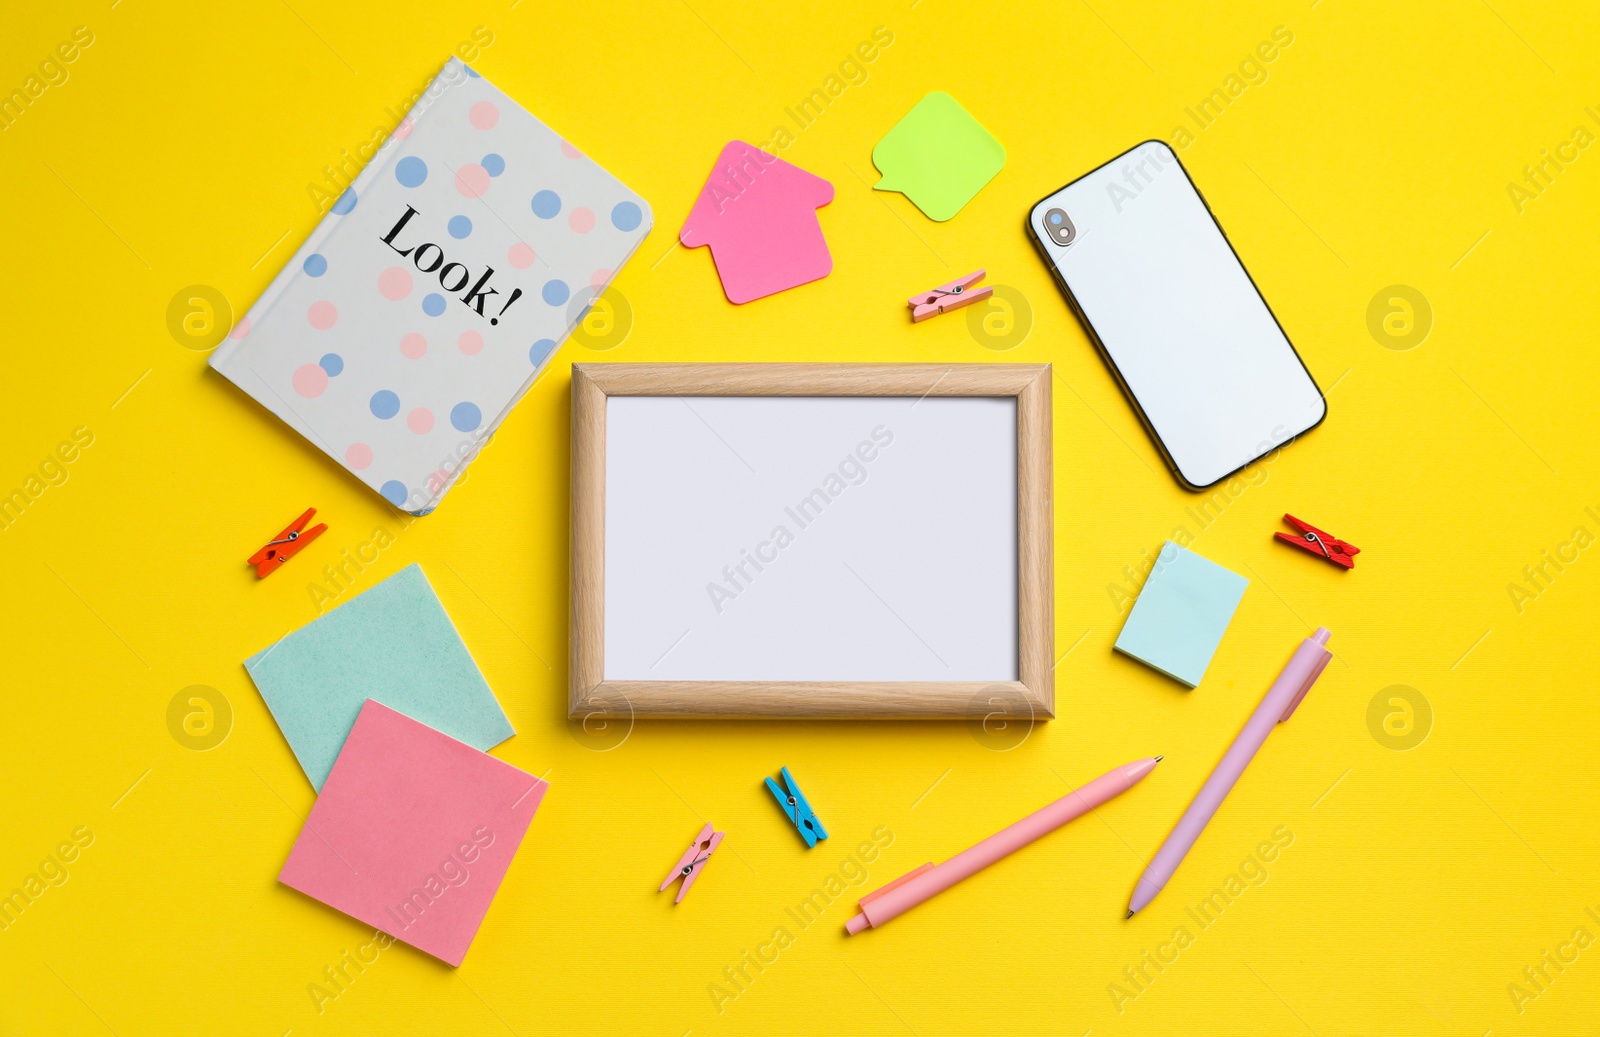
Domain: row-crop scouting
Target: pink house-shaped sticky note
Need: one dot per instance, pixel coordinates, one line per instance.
(758, 214)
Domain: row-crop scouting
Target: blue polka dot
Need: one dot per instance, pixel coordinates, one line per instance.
(332, 363)
(555, 292)
(384, 404)
(394, 491)
(626, 216)
(315, 265)
(546, 204)
(346, 202)
(411, 171)
(466, 417)
(433, 304)
(493, 164)
(539, 350)
(470, 71)
(460, 226)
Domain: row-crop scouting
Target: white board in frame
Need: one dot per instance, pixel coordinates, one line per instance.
(811, 540)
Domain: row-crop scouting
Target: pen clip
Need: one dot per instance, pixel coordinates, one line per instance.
(1322, 664)
(901, 881)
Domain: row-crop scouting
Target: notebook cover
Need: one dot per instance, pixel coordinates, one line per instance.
(427, 301)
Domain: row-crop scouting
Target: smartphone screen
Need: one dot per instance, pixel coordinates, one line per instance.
(1182, 326)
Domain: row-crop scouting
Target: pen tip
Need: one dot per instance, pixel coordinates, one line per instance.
(1130, 912)
(1160, 758)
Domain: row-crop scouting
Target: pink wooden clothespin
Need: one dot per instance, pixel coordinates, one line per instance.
(693, 861)
(948, 297)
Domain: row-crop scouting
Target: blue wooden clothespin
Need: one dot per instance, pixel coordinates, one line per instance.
(794, 804)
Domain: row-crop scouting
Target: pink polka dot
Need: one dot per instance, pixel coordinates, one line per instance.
(570, 151)
(581, 220)
(600, 277)
(484, 115)
(437, 480)
(402, 131)
(310, 380)
(241, 329)
(358, 456)
(520, 256)
(413, 345)
(322, 316)
(420, 420)
(395, 283)
(472, 180)
(471, 343)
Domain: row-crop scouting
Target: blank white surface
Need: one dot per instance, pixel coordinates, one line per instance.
(907, 573)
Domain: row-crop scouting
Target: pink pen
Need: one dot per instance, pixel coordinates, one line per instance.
(1305, 666)
(911, 889)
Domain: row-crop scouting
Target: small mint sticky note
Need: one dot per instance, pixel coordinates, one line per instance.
(395, 644)
(1181, 615)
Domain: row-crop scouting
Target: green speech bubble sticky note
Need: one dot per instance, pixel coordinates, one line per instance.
(938, 156)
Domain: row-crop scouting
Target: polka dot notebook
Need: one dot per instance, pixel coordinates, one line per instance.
(429, 298)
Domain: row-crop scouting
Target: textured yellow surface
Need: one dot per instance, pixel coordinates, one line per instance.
(1420, 888)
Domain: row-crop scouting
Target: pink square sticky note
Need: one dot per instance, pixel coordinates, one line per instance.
(413, 832)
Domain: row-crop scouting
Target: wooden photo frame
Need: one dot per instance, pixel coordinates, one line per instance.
(1028, 690)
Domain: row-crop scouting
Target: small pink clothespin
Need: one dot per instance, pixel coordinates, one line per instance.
(948, 297)
(693, 861)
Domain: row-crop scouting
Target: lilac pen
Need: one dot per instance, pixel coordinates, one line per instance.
(1305, 666)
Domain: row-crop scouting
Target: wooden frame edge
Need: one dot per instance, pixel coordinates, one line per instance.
(1036, 540)
(586, 598)
(795, 379)
(813, 700)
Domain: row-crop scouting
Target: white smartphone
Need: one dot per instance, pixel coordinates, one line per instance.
(1184, 329)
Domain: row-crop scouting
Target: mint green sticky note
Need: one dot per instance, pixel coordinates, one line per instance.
(393, 643)
(938, 156)
(1181, 615)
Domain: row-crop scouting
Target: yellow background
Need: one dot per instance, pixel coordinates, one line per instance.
(1378, 151)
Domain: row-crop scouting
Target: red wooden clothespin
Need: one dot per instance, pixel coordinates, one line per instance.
(1319, 543)
(948, 297)
(286, 545)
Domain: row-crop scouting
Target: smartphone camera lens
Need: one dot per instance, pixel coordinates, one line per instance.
(1059, 226)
